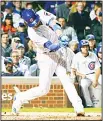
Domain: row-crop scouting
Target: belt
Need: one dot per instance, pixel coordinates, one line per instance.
(90, 73)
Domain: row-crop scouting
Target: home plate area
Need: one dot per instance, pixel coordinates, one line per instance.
(50, 116)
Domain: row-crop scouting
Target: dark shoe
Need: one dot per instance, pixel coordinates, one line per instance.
(81, 114)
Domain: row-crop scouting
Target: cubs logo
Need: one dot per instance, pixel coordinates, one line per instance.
(91, 65)
(31, 20)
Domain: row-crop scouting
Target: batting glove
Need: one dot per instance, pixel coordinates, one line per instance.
(63, 44)
(64, 38)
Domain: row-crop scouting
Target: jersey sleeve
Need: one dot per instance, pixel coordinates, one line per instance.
(74, 63)
(38, 40)
(45, 16)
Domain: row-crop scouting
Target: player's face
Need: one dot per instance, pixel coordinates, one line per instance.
(85, 49)
(92, 43)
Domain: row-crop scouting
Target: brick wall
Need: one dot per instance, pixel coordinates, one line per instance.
(55, 98)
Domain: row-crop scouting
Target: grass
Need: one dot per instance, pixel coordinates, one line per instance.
(97, 110)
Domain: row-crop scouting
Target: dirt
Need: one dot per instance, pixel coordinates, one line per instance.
(50, 116)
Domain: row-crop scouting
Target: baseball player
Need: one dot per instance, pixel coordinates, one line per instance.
(43, 30)
(87, 66)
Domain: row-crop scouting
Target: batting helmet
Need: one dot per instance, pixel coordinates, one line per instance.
(8, 60)
(30, 17)
(83, 42)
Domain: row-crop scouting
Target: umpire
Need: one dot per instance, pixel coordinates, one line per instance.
(9, 68)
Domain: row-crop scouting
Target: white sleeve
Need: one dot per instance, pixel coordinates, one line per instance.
(45, 16)
(74, 63)
(38, 40)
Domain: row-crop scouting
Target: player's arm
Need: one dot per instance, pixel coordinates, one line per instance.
(80, 74)
(97, 72)
(44, 42)
(49, 19)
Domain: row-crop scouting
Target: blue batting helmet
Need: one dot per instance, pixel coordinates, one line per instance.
(83, 42)
(30, 17)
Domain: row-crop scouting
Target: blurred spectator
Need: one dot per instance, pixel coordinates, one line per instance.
(2, 3)
(63, 10)
(21, 32)
(92, 42)
(86, 7)
(16, 19)
(73, 45)
(51, 6)
(15, 42)
(7, 26)
(31, 53)
(5, 46)
(23, 59)
(19, 66)
(9, 68)
(8, 9)
(97, 9)
(67, 30)
(2, 16)
(80, 20)
(29, 5)
(2, 64)
(18, 7)
(97, 28)
(99, 55)
(73, 8)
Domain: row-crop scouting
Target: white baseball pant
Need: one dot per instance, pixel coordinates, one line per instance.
(85, 83)
(47, 68)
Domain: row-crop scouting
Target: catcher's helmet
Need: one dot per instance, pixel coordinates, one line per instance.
(83, 42)
(8, 60)
(30, 17)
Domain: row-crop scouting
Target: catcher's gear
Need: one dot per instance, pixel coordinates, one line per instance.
(30, 17)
